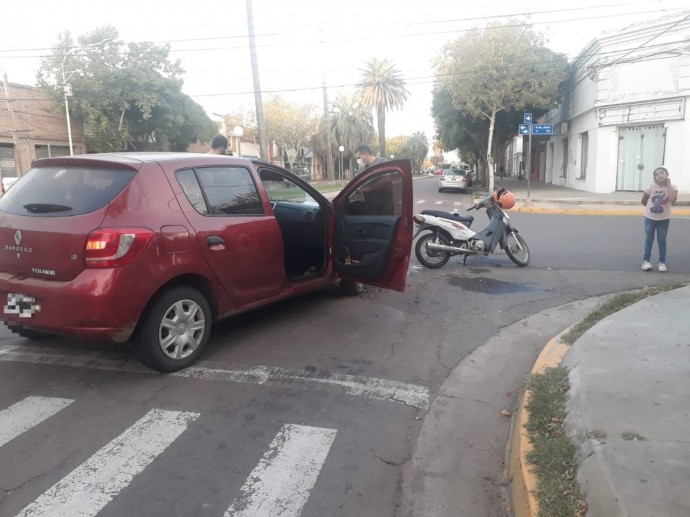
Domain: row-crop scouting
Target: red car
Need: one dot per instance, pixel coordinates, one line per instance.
(154, 247)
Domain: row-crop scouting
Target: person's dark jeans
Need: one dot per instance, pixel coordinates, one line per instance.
(661, 228)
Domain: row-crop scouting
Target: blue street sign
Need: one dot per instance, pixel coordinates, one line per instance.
(527, 118)
(542, 129)
(523, 129)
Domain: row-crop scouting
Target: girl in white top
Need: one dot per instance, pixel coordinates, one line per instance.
(657, 200)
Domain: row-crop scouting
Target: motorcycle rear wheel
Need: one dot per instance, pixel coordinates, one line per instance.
(428, 258)
(516, 249)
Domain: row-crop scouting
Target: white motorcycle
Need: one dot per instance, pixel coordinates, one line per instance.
(449, 233)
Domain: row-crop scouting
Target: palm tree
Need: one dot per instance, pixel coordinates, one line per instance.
(383, 88)
(351, 124)
(418, 147)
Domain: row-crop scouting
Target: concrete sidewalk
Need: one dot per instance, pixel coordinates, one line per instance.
(629, 411)
(547, 198)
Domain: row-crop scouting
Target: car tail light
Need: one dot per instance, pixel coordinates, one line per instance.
(443, 178)
(115, 247)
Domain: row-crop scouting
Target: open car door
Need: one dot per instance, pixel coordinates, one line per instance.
(373, 226)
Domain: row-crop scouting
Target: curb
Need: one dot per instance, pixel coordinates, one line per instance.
(524, 480)
(592, 211)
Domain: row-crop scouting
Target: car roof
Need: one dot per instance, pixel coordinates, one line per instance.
(134, 160)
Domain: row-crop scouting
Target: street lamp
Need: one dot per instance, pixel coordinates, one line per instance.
(238, 133)
(341, 149)
(67, 88)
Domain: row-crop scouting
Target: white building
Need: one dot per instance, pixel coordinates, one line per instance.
(626, 113)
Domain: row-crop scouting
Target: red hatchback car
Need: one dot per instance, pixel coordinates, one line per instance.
(154, 247)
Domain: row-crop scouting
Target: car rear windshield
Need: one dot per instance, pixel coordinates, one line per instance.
(455, 172)
(64, 191)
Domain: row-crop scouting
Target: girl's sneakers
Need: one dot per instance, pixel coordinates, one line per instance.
(646, 266)
(662, 267)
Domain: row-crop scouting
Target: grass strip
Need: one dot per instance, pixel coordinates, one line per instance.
(615, 304)
(553, 454)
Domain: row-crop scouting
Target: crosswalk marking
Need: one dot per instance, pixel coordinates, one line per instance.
(368, 387)
(26, 414)
(280, 484)
(89, 487)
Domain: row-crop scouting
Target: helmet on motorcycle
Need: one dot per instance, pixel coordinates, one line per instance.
(504, 198)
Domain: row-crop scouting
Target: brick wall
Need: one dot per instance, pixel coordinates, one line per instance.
(37, 122)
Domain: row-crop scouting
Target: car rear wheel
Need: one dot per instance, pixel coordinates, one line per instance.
(174, 330)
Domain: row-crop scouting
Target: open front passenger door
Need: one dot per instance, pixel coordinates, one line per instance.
(373, 226)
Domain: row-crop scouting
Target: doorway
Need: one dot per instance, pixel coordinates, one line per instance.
(640, 151)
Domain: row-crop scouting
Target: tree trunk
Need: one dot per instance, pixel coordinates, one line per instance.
(381, 119)
(489, 158)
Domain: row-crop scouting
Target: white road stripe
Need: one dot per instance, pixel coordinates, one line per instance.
(421, 201)
(369, 387)
(26, 414)
(280, 484)
(439, 202)
(88, 488)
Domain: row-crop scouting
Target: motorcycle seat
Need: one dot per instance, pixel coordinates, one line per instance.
(453, 216)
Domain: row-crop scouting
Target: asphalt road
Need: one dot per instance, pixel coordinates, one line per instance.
(320, 405)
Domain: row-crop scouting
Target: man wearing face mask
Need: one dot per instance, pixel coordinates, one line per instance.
(365, 158)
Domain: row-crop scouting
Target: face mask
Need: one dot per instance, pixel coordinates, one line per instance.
(360, 162)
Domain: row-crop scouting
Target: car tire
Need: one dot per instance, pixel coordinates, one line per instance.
(350, 288)
(34, 335)
(440, 190)
(174, 330)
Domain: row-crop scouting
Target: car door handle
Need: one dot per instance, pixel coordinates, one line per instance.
(214, 240)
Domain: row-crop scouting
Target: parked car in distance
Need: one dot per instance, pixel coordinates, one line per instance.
(302, 173)
(154, 247)
(454, 179)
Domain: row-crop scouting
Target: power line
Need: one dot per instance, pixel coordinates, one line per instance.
(365, 38)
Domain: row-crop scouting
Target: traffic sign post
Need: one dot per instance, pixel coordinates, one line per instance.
(529, 129)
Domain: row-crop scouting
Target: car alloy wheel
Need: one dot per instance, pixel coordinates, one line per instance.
(175, 329)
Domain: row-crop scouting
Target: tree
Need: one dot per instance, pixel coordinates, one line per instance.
(417, 147)
(502, 68)
(129, 96)
(351, 124)
(290, 125)
(383, 89)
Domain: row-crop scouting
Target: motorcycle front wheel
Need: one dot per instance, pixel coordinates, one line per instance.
(430, 258)
(516, 249)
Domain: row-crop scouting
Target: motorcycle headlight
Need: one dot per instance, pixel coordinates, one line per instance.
(419, 219)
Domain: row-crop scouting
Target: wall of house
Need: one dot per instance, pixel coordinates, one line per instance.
(638, 77)
(40, 127)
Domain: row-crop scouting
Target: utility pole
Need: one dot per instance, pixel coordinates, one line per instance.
(260, 123)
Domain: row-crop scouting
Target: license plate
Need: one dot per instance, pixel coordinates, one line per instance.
(21, 305)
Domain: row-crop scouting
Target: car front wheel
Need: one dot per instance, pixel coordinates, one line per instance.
(174, 330)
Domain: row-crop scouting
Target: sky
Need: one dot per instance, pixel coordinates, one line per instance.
(301, 43)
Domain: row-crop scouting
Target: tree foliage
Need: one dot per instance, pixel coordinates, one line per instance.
(414, 148)
(382, 88)
(502, 69)
(128, 95)
(351, 125)
(290, 125)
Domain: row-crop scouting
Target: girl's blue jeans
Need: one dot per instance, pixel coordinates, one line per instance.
(661, 228)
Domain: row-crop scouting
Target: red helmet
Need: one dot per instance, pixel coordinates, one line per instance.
(504, 198)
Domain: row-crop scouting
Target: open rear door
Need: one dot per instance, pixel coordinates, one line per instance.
(373, 226)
